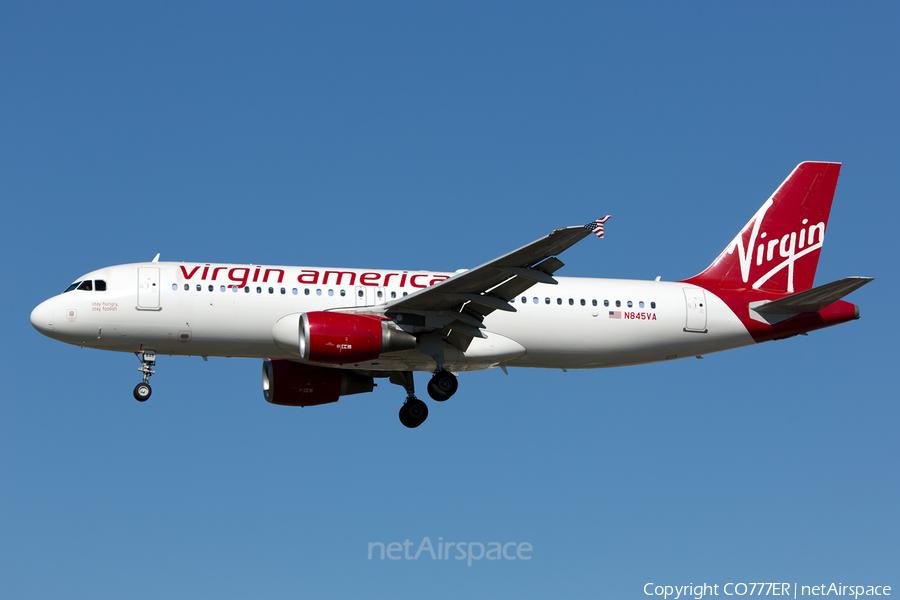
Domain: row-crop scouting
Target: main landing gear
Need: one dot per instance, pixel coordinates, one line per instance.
(442, 385)
(142, 390)
(414, 412)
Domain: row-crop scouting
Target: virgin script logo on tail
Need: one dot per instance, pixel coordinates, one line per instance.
(790, 247)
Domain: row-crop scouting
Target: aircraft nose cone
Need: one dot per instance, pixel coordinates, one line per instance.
(42, 317)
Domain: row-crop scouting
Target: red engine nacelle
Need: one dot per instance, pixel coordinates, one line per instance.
(341, 338)
(293, 384)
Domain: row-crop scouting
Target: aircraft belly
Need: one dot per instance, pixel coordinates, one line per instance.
(486, 353)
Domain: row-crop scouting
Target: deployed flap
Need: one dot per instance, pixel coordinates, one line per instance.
(448, 294)
(507, 291)
(815, 299)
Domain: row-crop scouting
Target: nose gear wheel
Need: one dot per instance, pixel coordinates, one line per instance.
(142, 390)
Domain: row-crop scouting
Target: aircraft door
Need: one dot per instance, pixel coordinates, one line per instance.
(148, 288)
(695, 304)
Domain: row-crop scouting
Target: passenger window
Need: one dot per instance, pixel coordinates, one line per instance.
(653, 305)
(210, 288)
(404, 293)
(571, 302)
(282, 291)
(393, 294)
(641, 304)
(247, 289)
(380, 294)
(174, 287)
(535, 300)
(306, 291)
(524, 300)
(359, 293)
(559, 301)
(318, 292)
(99, 286)
(187, 287)
(234, 289)
(221, 288)
(606, 303)
(199, 288)
(259, 290)
(629, 304)
(546, 300)
(331, 292)
(294, 291)
(344, 293)
(593, 303)
(618, 303)
(582, 302)
(272, 290)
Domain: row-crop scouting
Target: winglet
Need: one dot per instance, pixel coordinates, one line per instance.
(596, 227)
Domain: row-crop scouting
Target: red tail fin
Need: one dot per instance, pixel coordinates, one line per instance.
(778, 250)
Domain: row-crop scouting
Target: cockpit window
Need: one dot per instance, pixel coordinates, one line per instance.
(87, 286)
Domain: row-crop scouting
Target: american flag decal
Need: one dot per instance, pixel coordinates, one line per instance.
(597, 226)
(615, 314)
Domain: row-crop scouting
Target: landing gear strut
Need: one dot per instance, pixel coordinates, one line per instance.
(442, 385)
(413, 412)
(142, 390)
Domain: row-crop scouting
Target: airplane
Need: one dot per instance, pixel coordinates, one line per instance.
(324, 333)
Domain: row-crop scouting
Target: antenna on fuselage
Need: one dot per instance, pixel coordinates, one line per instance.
(156, 258)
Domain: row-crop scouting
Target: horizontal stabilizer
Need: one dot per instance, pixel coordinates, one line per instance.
(815, 299)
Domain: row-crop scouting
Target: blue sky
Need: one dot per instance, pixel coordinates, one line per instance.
(438, 136)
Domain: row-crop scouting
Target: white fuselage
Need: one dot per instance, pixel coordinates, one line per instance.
(232, 310)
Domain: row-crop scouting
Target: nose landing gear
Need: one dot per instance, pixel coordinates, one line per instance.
(142, 390)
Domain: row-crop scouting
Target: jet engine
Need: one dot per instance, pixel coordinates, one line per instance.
(287, 383)
(341, 338)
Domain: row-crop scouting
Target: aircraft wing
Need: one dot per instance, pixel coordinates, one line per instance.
(459, 304)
